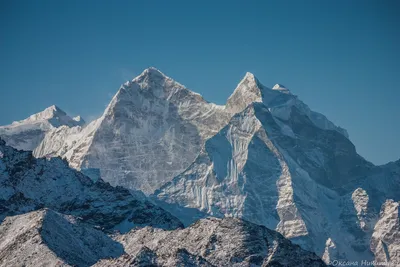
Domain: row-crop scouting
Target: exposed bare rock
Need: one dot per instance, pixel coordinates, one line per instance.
(29, 184)
(385, 242)
(212, 242)
(47, 238)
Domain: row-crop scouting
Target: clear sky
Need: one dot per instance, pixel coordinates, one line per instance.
(342, 58)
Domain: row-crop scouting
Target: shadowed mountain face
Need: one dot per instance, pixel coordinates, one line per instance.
(47, 238)
(289, 175)
(28, 184)
(41, 236)
(328, 157)
(265, 156)
(154, 128)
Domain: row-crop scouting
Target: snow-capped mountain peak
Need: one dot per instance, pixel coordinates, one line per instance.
(281, 88)
(150, 74)
(54, 115)
(247, 91)
(152, 112)
(79, 119)
(153, 83)
(265, 156)
(151, 71)
(27, 134)
(249, 75)
(47, 114)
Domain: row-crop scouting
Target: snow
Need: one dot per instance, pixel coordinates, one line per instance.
(264, 156)
(168, 120)
(245, 93)
(281, 88)
(213, 242)
(385, 242)
(153, 112)
(27, 134)
(47, 238)
(360, 199)
(79, 119)
(29, 183)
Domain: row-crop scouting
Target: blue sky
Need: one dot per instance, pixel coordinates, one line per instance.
(342, 58)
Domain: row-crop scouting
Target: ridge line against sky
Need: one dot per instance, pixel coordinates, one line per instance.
(340, 57)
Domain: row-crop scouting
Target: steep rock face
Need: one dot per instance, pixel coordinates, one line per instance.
(274, 162)
(228, 178)
(154, 128)
(241, 173)
(287, 174)
(47, 238)
(280, 102)
(72, 143)
(330, 253)
(214, 242)
(151, 131)
(247, 92)
(383, 183)
(27, 134)
(385, 242)
(354, 227)
(28, 184)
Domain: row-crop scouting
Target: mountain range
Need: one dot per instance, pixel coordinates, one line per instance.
(52, 215)
(264, 157)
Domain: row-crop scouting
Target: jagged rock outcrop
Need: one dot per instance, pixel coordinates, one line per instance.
(47, 238)
(212, 242)
(147, 257)
(385, 242)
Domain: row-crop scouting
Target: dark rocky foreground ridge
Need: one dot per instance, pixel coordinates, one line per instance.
(53, 215)
(214, 242)
(47, 238)
(28, 184)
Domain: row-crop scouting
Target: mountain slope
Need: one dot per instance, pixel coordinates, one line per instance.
(279, 101)
(154, 128)
(28, 184)
(386, 235)
(151, 131)
(264, 156)
(47, 238)
(280, 165)
(214, 242)
(28, 133)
